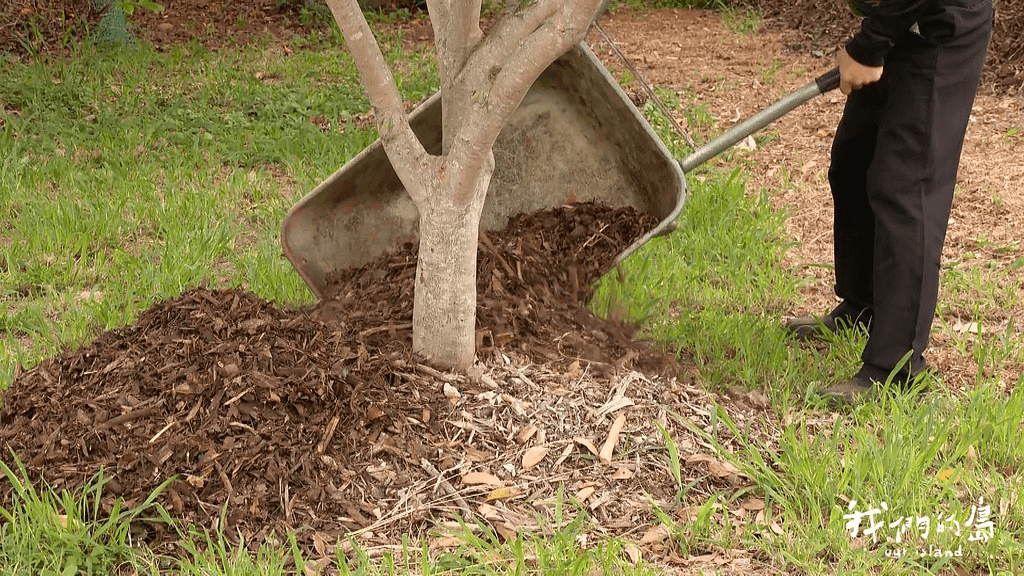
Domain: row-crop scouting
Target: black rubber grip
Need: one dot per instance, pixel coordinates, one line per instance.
(828, 81)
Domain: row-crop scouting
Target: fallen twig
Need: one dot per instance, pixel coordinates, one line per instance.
(328, 434)
(386, 328)
(130, 416)
(446, 486)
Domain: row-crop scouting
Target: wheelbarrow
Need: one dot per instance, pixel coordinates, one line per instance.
(575, 137)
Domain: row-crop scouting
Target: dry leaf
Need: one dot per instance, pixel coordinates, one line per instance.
(503, 493)
(613, 439)
(451, 392)
(698, 458)
(774, 526)
(66, 522)
(319, 545)
(728, 467)
(565, 454)
(585, 493)
(633, 552)
(687, 514)
(474, 478)
(585, 442)
(489, 512)
(372, 413)
(505, 530)
(445, 542)
(654, 534)
(716, 467)
(474, 455)
(961, 327)
(614, 406)
(534, 456)
(573, 371)
(753, 504)
(622, 474)
(526, 432)
(971, 454)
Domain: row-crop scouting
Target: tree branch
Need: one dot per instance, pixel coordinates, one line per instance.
(406, 152)
(545, 44)
(440, 20)
(563, 29)
(510, 31)
(456, 25)
(439, 12)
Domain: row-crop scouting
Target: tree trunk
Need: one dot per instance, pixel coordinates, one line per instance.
(444, 301)
(482, 83)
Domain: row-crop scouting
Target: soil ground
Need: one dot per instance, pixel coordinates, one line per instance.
(43, 26)
(322, 418)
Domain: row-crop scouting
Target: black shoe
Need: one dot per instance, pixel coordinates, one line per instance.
(864, 388)
(848, 392)
(908, 378)
(815, 327)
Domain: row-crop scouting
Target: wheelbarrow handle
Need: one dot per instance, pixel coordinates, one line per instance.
(828, 81)
(824, 83)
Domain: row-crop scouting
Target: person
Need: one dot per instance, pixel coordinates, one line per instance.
(910, 75)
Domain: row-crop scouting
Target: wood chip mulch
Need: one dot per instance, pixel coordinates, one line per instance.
(322, 419)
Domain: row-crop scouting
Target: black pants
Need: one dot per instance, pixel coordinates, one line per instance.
(894, 165)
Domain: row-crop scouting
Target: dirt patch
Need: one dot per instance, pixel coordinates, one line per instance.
(32, 25)
(322, 418)
(46, 28)
(826, 25)
(219, 23)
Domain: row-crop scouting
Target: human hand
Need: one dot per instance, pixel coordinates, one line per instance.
(853, 75)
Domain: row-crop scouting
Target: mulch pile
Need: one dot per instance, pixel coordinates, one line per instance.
(317, 417)
(530, 279)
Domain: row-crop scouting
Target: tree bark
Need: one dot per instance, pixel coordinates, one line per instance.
(444, 299)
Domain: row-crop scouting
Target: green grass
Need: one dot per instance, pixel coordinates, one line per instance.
(128, 175)
(46, 533)
(741, 20)
(50, 533)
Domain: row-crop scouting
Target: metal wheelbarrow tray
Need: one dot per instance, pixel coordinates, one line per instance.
(575, 137)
